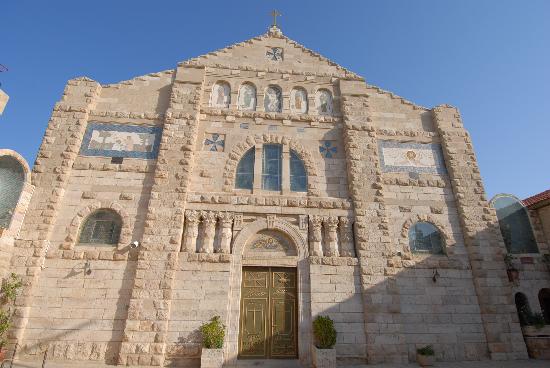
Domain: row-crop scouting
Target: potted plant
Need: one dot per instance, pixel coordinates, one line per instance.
(324, 354)
(8, 293)
(213, 334)
(425, 356)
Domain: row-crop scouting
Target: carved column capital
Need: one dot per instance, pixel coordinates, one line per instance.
(226, 221)
(209, 219)
(347, 248)
(315, 236)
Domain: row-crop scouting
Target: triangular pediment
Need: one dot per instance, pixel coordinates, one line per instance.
(251, 54)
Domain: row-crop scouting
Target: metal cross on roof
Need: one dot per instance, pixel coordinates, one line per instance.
(275, 14)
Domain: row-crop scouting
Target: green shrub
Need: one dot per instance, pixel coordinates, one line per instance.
(537, 320)
(427, 350)
(8, 293)
(213, 333)
(325, 333)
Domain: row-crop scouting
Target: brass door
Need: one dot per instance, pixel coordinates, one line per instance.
(269, 307)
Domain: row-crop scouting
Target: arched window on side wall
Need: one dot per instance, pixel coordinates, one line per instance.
(102, 227)
(298, 175)
(522, 308)
(514, 225)
(12, 179)
(245, 170)
(424, 237)
(544, 300)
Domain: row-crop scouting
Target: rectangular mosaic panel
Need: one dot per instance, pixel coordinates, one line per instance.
(411, 157)
(121, 140)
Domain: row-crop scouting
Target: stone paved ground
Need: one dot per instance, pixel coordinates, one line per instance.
(482, 364)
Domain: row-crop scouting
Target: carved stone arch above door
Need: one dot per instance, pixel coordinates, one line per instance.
(260, 227)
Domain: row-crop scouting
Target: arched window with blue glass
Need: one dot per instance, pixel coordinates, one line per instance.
(245, 170)
(515, 225)
(424, 237)
(298, 174)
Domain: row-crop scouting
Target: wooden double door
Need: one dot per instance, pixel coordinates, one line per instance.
(269, 313)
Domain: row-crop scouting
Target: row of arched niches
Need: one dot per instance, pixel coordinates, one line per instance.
(247, 98)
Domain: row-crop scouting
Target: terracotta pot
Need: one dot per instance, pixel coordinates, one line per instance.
(425, 360)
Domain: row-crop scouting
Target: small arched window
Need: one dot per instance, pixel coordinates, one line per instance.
(12, 178)
(544, 300)
(273, 99)
(424, 237)
(514, 225)
(523, 309)
(245, 170)
(102, 227)
(221, 95)
(247, 97)
(323, 99)
(298, 175)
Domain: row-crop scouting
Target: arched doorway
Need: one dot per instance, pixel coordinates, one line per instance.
(269, 303)
(544, 300)
(269, 317)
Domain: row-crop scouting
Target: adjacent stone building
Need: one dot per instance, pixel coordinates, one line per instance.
(267, 185)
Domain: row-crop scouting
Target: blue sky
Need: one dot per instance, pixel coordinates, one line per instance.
(491, 59)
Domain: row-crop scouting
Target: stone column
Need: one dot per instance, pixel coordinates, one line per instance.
(226, 221)
(285, 185)
(209, 220)
(331, 236)
(192, 220)
(315, 236)
(385, 340)
(146, 328)
(347, 248)
(482, 239)
(257, 184)
(53, 165)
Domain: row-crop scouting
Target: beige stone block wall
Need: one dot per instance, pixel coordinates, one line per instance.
(79, 316)
(200, 292)
(146, 95)
(336, 292)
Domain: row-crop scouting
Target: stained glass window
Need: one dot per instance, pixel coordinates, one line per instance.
(515, 225)
(245, 170)
(272, 167)
(298, 175)
(100, 228)
(425, 238)
(12, 178)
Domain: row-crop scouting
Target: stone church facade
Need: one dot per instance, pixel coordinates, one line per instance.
(267, 185)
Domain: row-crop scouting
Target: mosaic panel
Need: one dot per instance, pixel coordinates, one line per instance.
(214, 142)
(121, 140)
(411, 157)
(328, 149)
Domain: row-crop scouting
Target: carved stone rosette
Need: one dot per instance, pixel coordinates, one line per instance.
(331, 236)
(192, 219)
(209, 220)
(226, 221)
(346, 237)
(315, 236)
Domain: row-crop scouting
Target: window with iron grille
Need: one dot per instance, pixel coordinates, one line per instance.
(101, 228)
